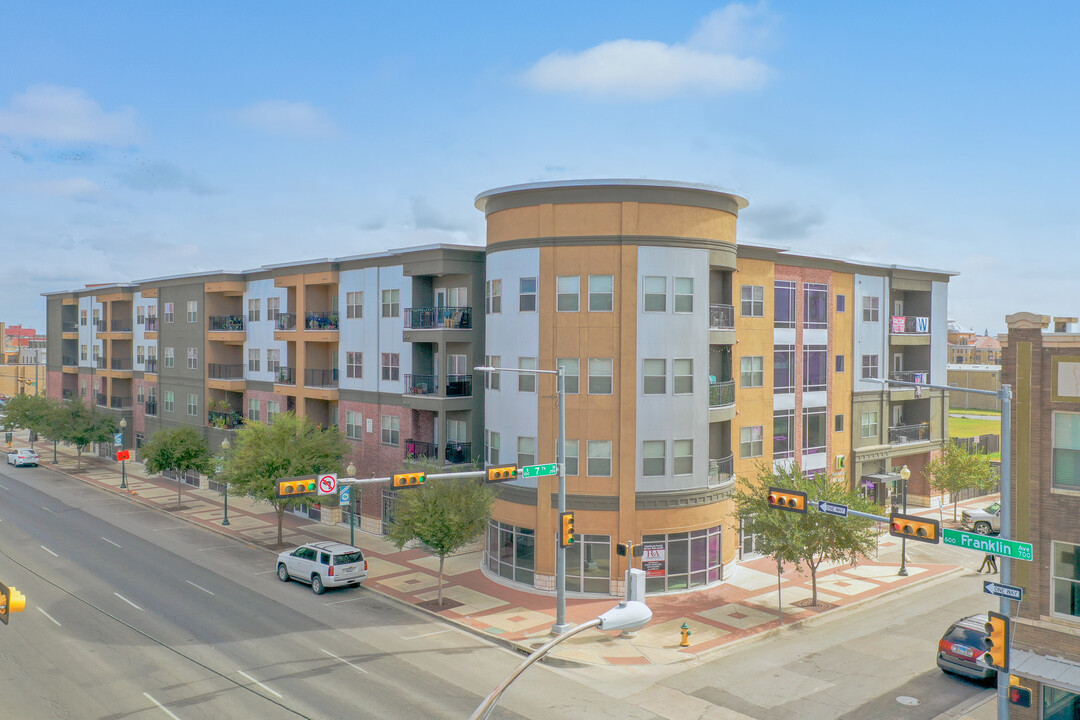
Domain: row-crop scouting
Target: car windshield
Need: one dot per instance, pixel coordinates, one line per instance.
(350, 557)
(965, 636)
(992, 509)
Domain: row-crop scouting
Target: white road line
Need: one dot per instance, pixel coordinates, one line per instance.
(417, 637)
(3, 487)
(110, 541)
(338, 602)
(127, 601)
(130, 512)
(216, 547)
(50, 617)
(354, 667)
(48, 510)
(199, 586)
(264, 572)
(272, 692)
(49, 551)
(160, 706)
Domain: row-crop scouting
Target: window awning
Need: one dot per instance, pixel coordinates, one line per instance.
(1046, 669)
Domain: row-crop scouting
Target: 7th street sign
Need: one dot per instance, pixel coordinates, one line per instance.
(531, 471)
(984, 543)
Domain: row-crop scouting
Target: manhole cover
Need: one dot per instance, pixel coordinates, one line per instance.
(907, 700)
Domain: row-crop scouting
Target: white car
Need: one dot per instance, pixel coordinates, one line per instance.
(23, 456)
(322, 565)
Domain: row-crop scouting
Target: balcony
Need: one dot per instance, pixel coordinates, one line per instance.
(225, 371)
(69, 327)
(101, 363)
(101, 400)
(285, 321)
(121, 363)
(902, 434)
(226, 420)
(458, 385)
(150, 407)
(100, 326)
(117, 402)
(721, 317)
(320, 321)
(415, 449)
(911, 376)
(427, 318)
(721, 470)
(151, 324)
(69, 361)
(458, 453)
(286, 376)
(315, 378)
(721, 394)
(151, 365)
(122, 325)
(908, 324)
(226, 323)
(421, 384)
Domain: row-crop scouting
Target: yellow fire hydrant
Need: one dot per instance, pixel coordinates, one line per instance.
(685, 636)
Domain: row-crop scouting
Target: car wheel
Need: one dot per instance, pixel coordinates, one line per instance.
(316, 585)
(983, 528)
(282, 573)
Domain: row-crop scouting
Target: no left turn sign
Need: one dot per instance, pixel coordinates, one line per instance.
(327, 484)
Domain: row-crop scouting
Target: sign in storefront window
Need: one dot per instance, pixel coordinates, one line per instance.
(680, 561)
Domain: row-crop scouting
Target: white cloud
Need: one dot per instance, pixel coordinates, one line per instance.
(736, 28)
(65, 115)
(280, 117)
(77, 188)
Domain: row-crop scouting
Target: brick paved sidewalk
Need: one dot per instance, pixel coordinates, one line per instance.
(746, 605)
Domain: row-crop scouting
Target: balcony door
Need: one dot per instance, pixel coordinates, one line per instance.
(898, 362)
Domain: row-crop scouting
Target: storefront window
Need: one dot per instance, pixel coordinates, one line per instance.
(588, 564)
(511, 552)
(680, 561)
(1059, 704)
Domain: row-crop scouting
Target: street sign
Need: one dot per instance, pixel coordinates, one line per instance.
(344, 498)
(1009, 592)
(118, 439)
(832, 508)
(123, 455)
(531, 471)
(327, 484)
(987, 544)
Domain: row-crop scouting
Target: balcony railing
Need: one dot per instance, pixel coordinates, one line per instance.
(458, 385)
(285, 321)
(721, 469)
(721, 393)
(286, 376)
(151, 407)
(69, 360)
(908, 324)
(117, 402)
(315, 378)
(121, 325)
(321, 321)
(69, 327)
(421, 384)
(458, 452)
(151, 324)
(900, 434)
(120, 363)
(102, 363)
(721, 317)
(225, 371)
(68, 394)
(438, 317)
(101, 400)
(419, 449)
(151, 365)
(226, 323)
(911, 376)
(100, 326)
(227, 420)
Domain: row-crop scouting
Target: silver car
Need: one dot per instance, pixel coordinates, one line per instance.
(322, 565)
(985, 521)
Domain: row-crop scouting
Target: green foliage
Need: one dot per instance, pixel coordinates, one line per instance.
(178, 450)
(289, 446)
(80, 425)
(956, 469)
(32, 412)
(812, 538)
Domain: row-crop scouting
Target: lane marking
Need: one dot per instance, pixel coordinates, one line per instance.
(199, 586)
(160, 706)
(127, 601)
(48, 510)
(417, 637)
(110, 541)
(272, 692)
(354, 667)
(171, 527)
(50, 617)
(338, 602)
(264, 572)
(49, 551)
(3, 487)
(130, 512)
(216, 547)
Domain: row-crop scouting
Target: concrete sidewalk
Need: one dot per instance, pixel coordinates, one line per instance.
(719, 618)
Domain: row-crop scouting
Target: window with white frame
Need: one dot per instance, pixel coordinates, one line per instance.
(870, 309)
(273, 409)
(526, 453)
(83, 355)
(814, 430)
(82, 317)
(869, 424)
(391, 430)
(354, 304)
(139, 394)
(683, 376)
(527, 294)
(1065, 571)
(140, 315)
(527, 380)
(169, 312)
(254, 407)
(254, 306)
(193, 358)
(598, 461)
(492, 442)
(192, 404)
(273, 308)
(192, 311)
(653, 459)
(752, 373)
(491, 377)
(654, 294)
(784, 304)
(601, 293)
(783, 434)
(254, 360)
(654, 376)
(354, 364)
(752, 299)
(1066, 450)
(493, 295)
(140, 354)
(169, 357)
(169, 401)
(353, 425)
(391, 303)
(567, 293)
(683, 295)
(870, 366)
(683, 457)
(783, 369)
(571, 374)
(571, 453)
(751, 442)
(273, 360)
(391, 366)
(600, 376)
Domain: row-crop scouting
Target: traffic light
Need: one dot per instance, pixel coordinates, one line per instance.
(630, 549)
(791, 500)
(295, 487)
(502, 474)
(566, 529)
(997, 641)
(412, 479)
(1020, 696)
(915, 528)
(11, 600)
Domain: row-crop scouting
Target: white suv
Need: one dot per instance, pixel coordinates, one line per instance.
(323, 565)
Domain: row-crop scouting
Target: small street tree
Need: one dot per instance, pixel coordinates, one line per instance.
(443, 515)
(956, 469)
(31, 412)
(178, 450)
(81, 425)
(290, 446)
(809, 538)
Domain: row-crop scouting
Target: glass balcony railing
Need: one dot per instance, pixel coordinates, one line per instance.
(721, 469)
(424, 318)
(721, 394)
(721, 317)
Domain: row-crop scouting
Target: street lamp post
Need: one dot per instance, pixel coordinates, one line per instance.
(351, 472)
(904, 475)
(123, 470)
(224, 449)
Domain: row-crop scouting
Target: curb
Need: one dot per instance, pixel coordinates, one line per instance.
(968, 707)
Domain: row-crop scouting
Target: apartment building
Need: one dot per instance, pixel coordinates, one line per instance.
(1043, 368)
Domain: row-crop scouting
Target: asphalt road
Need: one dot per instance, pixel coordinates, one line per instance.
(132, 613)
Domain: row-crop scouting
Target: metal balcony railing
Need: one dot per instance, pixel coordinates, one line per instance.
(69, 327)
(285, 321)
(320, 321)
(102, 363)
(286, 376)
(909, 324)
(100, 326)
(721, 317)
(151, 324)
(151, 407)
(227, 420)
(226, 323)
(69, 360)
(458, 385)
(101, 400)
(419, 449)
(721, 394)
(120, 363)
(424, 318)
(458, 452)
(421, 384)
(117, 402)
(912, 376)
(121, 325)
(316, 378)
(225, 371)
(721, 469)
(900, 434)
(151, 365)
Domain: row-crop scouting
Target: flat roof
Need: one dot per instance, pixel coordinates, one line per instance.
(482, 199)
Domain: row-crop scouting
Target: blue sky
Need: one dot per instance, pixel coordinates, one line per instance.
(148, 139)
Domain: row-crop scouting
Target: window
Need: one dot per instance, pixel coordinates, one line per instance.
(841, 303)
(870, 309)
(97, 320)
(169, 401)
(598, 462)
(683, 463)
(869, 366)
(273, 409)
(391, 303)
(652, 458)
(273, 360)
(391, 367)
(571, 374)
(169, 312)
(354, 364)
(353, 425)
(813, 435)
(253, 309)
(193, 311)
(192, 404)
(684, 294)
(815, 367)
(751, 441)
(567, 290)
(783, 369)
(527, 294)
(511, 551)
(391, 430)
(601, 293)
(273, 308)
(691, 559)
(870, 424)
(839, 363)
(526, 454)
(654, 294)
(354, 304)
(838, 423)
(193, 358)
(783, 434)
(1066, 450)
(600, 376)
(572, 453)
(752, 373)
(815, 306)
(82, 352)
(654, 377)
(140, 315)
(253, 360)
(139, 394)
(140, 354)
(1066, 579)
(784, 298)
(683, 376)
(253, 410)
(82, 317)
(527, 381)
(753, 300)
(493, 293)
(169, 358)
(492, 445)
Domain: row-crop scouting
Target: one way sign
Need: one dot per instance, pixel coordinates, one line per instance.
(1009, 592)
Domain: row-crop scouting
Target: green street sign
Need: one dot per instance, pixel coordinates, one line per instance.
(531, 471)
(987, 544)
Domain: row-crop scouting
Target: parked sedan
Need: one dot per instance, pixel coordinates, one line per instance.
(23, 456)
(961, 649)
(985, 521)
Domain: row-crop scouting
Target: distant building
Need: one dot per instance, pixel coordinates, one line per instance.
(967, 348)
(978, 377)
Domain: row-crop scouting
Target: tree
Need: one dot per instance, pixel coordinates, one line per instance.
(809, 538)
(956, 469)
(32, 412)
(289, 446)
(444, 515)
(179, 450)
(81, 425)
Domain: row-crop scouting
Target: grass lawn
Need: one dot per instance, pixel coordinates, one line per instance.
(970, 427)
